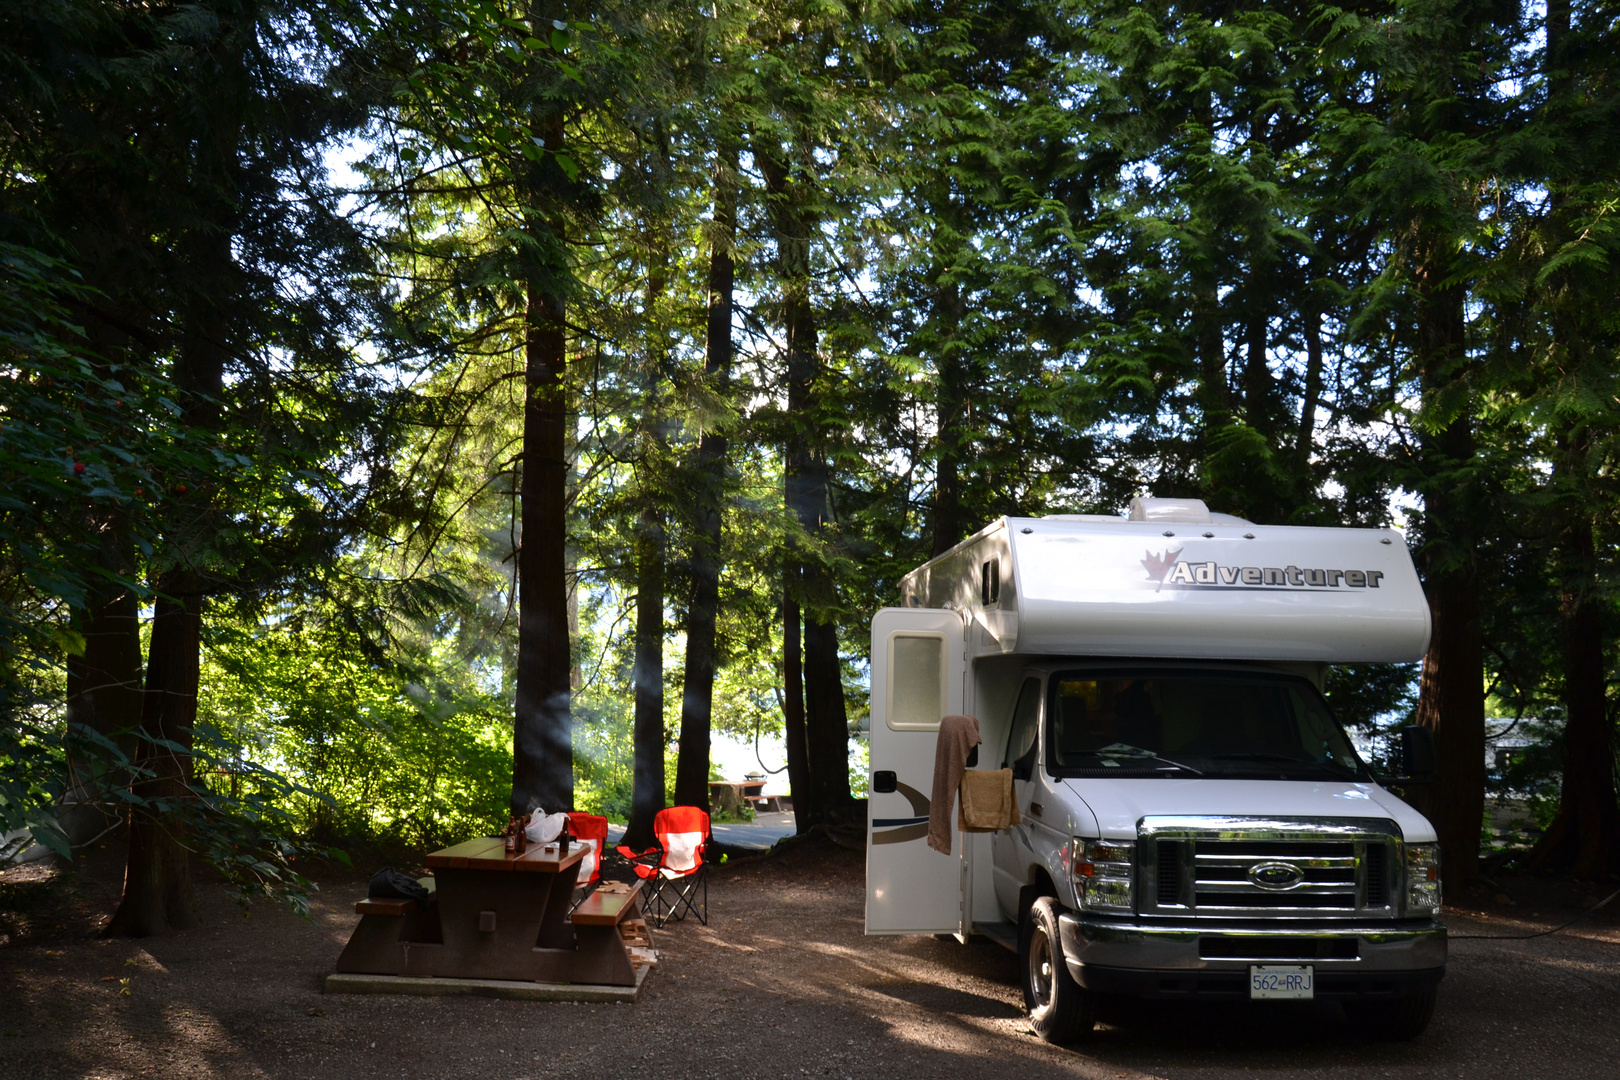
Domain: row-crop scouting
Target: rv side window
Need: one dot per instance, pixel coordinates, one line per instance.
(1021, 732)
(916, 681)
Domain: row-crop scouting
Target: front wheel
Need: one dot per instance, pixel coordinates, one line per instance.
(1059, 1010)
(1392, 1021)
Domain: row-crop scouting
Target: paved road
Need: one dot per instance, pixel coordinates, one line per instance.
(760, 835)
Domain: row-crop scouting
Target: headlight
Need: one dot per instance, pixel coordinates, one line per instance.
(1422, 879)
(1103, 874)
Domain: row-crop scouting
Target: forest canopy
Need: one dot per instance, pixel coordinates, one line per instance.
(414, 412)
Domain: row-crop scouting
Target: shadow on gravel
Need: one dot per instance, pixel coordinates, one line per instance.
(944, 999)
(1217, 1025)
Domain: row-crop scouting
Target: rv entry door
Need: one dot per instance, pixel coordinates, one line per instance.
(918, 669)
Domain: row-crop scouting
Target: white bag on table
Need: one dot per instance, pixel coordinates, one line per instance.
(543, 828)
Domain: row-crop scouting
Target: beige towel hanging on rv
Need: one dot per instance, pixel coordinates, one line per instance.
(987, 801)
(958, 735)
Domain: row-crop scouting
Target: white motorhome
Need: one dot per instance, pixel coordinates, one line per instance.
(1196, 824)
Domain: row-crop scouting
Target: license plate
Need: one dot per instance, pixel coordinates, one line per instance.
(1282, 981)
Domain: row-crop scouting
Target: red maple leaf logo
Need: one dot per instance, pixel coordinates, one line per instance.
(1159, 565)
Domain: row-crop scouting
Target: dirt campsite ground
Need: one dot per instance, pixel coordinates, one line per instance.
(781, 984)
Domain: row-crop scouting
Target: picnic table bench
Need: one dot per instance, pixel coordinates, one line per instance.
(600, 922)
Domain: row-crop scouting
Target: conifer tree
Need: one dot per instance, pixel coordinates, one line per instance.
(1571, 253)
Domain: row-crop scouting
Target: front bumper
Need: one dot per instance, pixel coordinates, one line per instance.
(1185, 959)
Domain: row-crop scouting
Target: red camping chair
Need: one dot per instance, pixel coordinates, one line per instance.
(674, 870)
(589, 827)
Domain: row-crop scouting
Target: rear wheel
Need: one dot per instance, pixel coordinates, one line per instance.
(1059, 1010)
(1392, 1021)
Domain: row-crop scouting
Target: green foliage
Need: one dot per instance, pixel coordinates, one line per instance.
(1056, 256)
(422, 762)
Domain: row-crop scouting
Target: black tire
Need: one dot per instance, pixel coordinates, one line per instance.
(1059, 1010)
(1392, 1021)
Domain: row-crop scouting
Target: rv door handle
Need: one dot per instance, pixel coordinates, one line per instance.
(1034, 809)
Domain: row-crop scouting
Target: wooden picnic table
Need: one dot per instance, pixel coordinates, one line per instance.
(495, 915)
(729, 795)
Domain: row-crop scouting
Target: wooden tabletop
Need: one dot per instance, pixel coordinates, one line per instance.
(489, 853)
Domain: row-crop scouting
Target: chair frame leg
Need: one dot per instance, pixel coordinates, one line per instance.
(657, 909)
(685, 900)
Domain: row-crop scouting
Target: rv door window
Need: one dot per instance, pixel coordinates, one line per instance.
(1021, 732)
(916, 681)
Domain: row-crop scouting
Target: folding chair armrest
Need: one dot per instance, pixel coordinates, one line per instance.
(637, 856)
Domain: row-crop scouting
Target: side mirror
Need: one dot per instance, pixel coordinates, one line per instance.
(1418, 760)
(1024, 767)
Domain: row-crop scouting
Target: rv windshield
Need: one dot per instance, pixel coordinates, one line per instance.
(1161, 722)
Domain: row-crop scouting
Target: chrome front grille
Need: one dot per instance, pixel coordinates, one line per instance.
(1222, 870)
(1240, 867)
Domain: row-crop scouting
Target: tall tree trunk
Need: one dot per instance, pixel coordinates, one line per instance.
(647, 784)
(703, 610)
(1256, 371)
(157, 877)
(826, 727)
(103, 686)
(950, 406)
(826, 723)
(1214, 395)
(1303, 440)
(1584, 839)
(1451, 700)
(647, 780)
(543, 756)
(801, 789)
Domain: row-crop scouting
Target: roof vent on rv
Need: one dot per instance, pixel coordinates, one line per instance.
(1173, 511)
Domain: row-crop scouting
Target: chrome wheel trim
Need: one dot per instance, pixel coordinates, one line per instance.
(1040, 968)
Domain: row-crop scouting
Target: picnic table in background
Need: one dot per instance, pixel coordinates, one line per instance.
(496, 915)
(728, 796)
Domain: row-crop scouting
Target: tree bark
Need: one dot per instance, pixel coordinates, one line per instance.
(647, 784)
(1303, 440)
(800, 787)
(826, 727)
(949, 407)
(1256, 371)
(157, 876)
(1214, 396)
(1451, 699)
(543, 759)
(1584, 839)
(703, 610)
(647, 778)
(103, 687)
(1209, 337)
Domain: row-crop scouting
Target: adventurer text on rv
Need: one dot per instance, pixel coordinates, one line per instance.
(1195, 823)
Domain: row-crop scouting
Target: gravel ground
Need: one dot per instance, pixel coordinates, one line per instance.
(782, 983)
